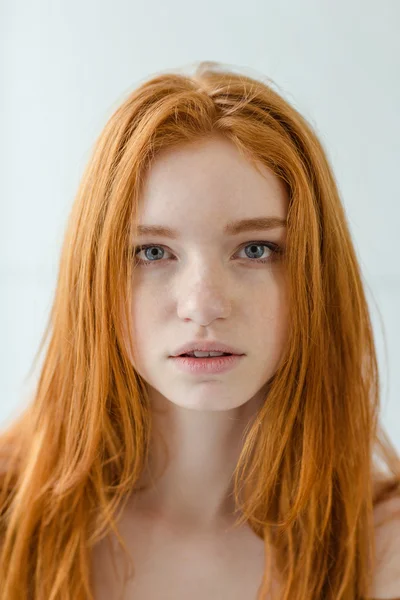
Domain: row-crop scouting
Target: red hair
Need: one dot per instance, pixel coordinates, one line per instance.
(308, 468)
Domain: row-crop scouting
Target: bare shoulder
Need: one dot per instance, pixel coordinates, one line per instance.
(386, 583)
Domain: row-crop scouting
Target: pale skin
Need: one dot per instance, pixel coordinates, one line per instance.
(211, 289)
(204, 286)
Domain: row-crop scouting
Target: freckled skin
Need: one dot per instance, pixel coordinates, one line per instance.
(209, 289)
(203, 292)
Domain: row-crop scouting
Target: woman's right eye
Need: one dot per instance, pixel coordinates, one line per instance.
(153, 254)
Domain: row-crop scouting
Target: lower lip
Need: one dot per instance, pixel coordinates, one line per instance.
(218, 364)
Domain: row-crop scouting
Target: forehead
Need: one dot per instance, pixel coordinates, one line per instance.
(210, 183)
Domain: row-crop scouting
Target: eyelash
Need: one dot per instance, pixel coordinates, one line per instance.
(275, 248)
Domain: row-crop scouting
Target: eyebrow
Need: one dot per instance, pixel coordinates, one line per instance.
(232, 228)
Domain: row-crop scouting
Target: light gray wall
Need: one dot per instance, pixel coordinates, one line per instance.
(67, 65)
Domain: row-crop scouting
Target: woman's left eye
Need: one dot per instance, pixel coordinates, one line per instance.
(274, 251)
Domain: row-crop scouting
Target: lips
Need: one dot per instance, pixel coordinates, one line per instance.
(209, 346)
(191, 355)
(214, 365)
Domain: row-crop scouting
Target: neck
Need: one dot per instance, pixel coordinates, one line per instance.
(193, 455)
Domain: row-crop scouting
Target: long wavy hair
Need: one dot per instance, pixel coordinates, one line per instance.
(308, 477)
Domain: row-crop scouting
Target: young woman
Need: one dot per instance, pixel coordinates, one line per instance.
(208, 221)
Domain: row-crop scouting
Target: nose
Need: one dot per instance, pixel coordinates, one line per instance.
(205, 298)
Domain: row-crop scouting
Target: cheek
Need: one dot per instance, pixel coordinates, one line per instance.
(283, 327)
(274, 325)
(133, 331)
(282, 316)
(144, 316)
(282, 333)
(274, 318)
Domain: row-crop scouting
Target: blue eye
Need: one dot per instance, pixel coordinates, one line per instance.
(274, 249)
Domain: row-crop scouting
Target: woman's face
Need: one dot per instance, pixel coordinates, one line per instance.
(206, 284)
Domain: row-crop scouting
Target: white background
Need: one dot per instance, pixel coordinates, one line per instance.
(65, 68)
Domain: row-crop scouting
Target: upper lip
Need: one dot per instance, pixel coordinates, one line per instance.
(206, 347)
